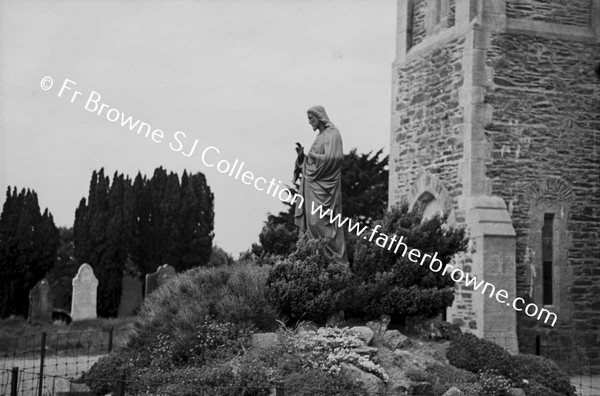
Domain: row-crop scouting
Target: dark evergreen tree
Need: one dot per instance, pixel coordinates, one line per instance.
(28, 245)
(364, 186)
(364, 199)
(61, 275)
(134, 227)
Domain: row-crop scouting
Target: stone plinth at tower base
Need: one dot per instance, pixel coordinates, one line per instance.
(492, 260)
(85, 287)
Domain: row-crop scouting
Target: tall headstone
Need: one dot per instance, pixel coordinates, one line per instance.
(157, 279)
(85, 287)
(131, 296)
(40, 303)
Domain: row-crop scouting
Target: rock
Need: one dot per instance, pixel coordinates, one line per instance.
(400, 388)
(367, 351)
(371, 382)
(421, 389)
(394, 339)
(264, 340)
(516, 392)
(454, 391)
(336, 319)
(364, 333)
(379, 326)
(307, 327)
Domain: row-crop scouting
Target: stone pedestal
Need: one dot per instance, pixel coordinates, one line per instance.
(492, 260)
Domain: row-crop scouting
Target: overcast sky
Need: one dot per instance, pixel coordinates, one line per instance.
(236, 75)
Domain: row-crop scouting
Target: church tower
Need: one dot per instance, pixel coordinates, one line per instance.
(496, 118)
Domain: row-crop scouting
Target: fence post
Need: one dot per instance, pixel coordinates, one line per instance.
(14, 381)
(120, 388)
(537, 345)
(42, 358)
(110, 339)
(279, 389)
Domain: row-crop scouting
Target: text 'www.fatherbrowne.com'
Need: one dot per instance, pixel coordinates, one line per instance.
(395, 244)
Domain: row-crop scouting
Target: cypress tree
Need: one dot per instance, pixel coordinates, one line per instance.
(28, 245)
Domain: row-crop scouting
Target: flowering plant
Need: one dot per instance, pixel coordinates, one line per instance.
(329, 347)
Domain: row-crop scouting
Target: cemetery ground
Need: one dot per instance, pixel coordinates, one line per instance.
(17, 334)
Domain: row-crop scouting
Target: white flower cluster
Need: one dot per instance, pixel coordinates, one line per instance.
(329, 347)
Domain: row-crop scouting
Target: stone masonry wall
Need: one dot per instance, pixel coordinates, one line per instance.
(452, 13)
(565, 12)
(545, 133)
(428, 136)
(418, 26)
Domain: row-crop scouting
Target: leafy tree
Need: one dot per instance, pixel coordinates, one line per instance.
(28, 244)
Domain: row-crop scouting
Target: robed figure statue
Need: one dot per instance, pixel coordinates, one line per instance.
(321, 185)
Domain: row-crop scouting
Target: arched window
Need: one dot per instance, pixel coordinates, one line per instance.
(429, 205)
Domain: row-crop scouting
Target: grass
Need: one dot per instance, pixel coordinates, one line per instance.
(21, 339)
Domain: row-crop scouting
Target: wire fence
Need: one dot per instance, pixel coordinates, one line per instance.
(49, 364)
(45, 358)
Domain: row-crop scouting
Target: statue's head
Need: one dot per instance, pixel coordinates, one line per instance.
(317, 116)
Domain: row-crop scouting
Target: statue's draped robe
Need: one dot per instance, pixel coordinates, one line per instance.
(321, 184)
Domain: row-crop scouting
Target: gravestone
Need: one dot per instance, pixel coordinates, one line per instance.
(157, 279)
(85, 287)
(40, 303)
(131, 296)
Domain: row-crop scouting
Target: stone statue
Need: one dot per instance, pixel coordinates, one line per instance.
(321, 185)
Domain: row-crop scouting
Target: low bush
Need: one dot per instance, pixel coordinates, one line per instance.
(233, 294)
(475, 354)
(536, 389)
(318, 383)
(542, 371)
(222, 379)
(391, 284)
(277, 239)
(494, 384)
(307, 285)
(535, 374)
(443, 377)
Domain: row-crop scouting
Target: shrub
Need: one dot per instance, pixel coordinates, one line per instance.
(307, 285)
(277, 239)
(227, 294)
(542, 371)
(219, 257)
(535, 374)
(494, 384)
(102, 375)
(475, 354)
(318, 383)
(536, 389)
(388, 283)
(223, 379)
(443, 377)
